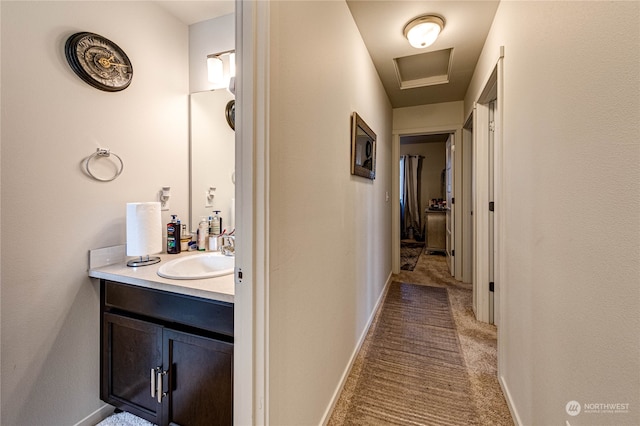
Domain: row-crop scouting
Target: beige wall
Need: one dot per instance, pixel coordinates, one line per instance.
(330, 232)
(419, 119)
(571, 203)
(52, 213)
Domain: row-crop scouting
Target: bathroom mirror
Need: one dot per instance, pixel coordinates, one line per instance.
(363, 148)
(212, 158)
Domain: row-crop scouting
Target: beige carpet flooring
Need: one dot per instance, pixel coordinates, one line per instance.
(477, 342)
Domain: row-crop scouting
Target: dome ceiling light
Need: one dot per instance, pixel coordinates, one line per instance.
(423, 31)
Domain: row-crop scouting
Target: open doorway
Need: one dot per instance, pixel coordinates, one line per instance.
(423, 196)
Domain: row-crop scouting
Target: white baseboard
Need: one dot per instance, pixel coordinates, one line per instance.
(97, 416)
(354, 354)
(510, 404)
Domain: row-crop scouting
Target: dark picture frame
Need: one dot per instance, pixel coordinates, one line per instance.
(363, 148)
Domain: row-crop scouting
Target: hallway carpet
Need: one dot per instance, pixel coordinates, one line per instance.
(413, 372)
(478, 349)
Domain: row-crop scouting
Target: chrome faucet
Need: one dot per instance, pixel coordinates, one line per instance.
(228, 245)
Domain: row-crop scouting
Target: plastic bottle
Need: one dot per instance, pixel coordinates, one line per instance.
(203, 232)
(185, 237)
(217, 223)
(173, 235)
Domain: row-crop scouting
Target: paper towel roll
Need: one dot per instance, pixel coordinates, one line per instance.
(144, 229)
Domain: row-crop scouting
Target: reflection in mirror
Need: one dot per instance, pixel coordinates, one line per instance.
(363, 148)
(212, 158)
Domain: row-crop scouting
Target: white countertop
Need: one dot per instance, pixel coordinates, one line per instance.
(219, 288)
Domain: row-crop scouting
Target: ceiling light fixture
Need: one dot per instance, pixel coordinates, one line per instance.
(423, 31)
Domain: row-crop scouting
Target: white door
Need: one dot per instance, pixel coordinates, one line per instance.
(450, 148)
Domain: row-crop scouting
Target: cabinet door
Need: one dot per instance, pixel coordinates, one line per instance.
(131, 349)
(200, 380)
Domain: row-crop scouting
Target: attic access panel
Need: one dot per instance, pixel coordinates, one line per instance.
(423, 69)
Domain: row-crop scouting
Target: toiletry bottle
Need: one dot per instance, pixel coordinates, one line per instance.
(203, 233)
(173, 235)
(217, 223)
(212, 242)
(185, 237)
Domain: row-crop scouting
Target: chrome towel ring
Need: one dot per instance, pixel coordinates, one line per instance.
(103, 153)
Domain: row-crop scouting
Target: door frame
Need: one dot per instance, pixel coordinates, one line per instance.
(492, 91)
(251, 310)
(395, 190)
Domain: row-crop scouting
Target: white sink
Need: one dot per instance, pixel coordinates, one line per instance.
(198, 266)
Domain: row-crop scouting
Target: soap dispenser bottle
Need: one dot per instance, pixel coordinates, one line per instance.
(173, 235)
(203, 233)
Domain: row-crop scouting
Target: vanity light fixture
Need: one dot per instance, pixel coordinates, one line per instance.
(221, 68)
(423, 31)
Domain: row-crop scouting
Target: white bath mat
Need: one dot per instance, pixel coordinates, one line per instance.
(124, 419)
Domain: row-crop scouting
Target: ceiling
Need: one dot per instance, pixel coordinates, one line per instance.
(381, 24)
(189, 12)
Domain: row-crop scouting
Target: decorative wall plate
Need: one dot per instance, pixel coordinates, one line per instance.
(230, 113)
(98, 61)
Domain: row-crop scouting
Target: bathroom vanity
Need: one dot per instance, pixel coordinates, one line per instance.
(166, 346)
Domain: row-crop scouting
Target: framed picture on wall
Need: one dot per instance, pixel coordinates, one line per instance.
(363, 148)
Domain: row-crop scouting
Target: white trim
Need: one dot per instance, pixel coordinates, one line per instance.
(345, 374)
(97, 416)
(458, 228)
(507, 396)
(466, 206)
(395, 208)
(481, 212)
(250, 393)
(500, 227)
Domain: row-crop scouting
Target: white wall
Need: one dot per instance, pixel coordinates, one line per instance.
(571, 233)
(207, 37)
(330, 232)
(52, 212)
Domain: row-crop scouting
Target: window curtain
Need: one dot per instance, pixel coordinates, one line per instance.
(410, 216)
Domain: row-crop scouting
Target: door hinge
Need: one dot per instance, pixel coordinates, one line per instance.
(453, 200)
(491, 206)
(453, 252)
(491, 285)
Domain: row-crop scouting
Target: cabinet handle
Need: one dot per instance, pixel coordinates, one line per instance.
(159, 381)
(153, 383)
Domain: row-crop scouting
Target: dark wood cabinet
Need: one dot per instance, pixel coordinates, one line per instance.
(169, 366)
